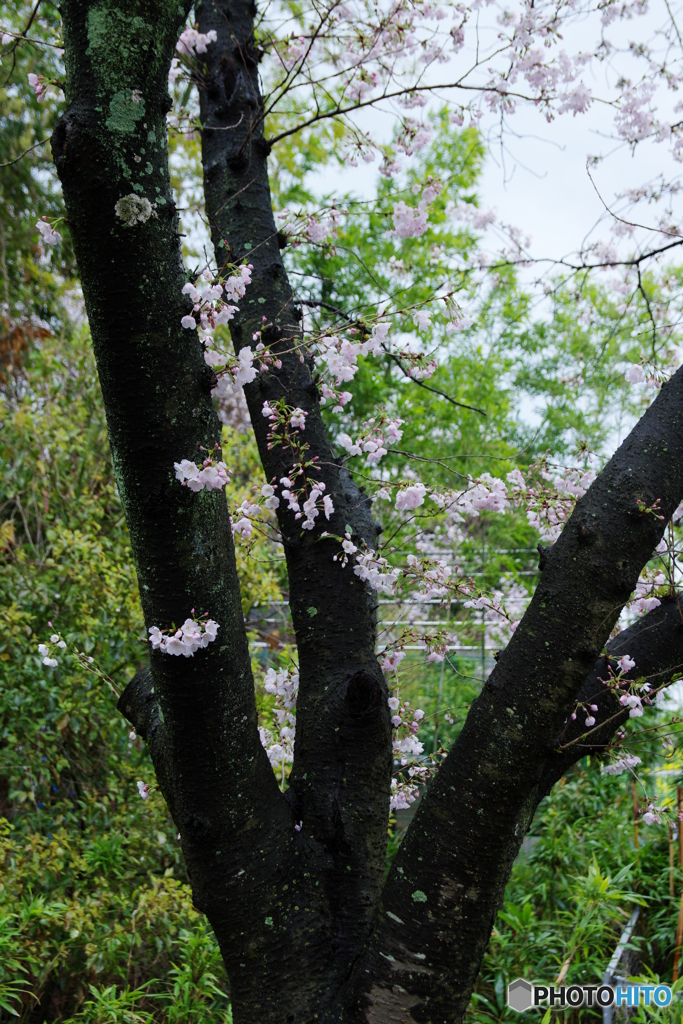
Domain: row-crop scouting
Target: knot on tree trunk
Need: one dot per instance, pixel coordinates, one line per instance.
(363, 695)
(138, 704)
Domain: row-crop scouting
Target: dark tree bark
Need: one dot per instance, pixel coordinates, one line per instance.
(305, 930)
(111, 143)
(340, 780)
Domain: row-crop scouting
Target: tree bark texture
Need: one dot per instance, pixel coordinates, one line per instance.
(305, 930)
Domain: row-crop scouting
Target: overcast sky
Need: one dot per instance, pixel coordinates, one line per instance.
(542, 186)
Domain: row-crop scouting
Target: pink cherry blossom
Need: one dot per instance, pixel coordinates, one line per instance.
(48, 233)
(635, 374)
(38, 85)
(410, 498)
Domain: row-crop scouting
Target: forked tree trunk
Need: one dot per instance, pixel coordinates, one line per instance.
(306, 932)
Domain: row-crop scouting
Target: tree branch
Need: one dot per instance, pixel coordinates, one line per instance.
(340, 780)
(655, 642)
(428, 387)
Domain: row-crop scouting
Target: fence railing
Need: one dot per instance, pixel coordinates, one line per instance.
(610, 976)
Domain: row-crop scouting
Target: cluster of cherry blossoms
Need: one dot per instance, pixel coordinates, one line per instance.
(485, 493)
(214, 299)
(39, 86)
(629, 698)
(279, 740)
(190, 43)
(624, 688)
(374, 569)
(47, 232)
(191, 636)
(45, 650)
(644, 599)
(212, 476)
(432, 577)
(411, 221)
(306, 502)
(320, 229)
(549, 506)
(415, 770)
(338, 357)
(210, 308)
(625, 763)
(372, 439)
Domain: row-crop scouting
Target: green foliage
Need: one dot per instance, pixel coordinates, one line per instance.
(96, 918)
(32, 282)
(569, 898)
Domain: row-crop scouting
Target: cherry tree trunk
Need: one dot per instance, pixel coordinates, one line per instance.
(306, 928)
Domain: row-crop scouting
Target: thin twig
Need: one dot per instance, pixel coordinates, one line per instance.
(428, 387)
(8, 163)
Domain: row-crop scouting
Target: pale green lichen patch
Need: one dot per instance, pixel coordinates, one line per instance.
(119, 45)
(125, 109)
(419, 896)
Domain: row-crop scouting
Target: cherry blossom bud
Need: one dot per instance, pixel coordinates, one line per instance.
(143, 790)
(38, 85)
(590, 721)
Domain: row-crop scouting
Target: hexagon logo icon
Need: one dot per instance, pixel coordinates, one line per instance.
(519, 995)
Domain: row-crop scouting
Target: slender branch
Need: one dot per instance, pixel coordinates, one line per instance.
(8, 163)
(428, 387)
